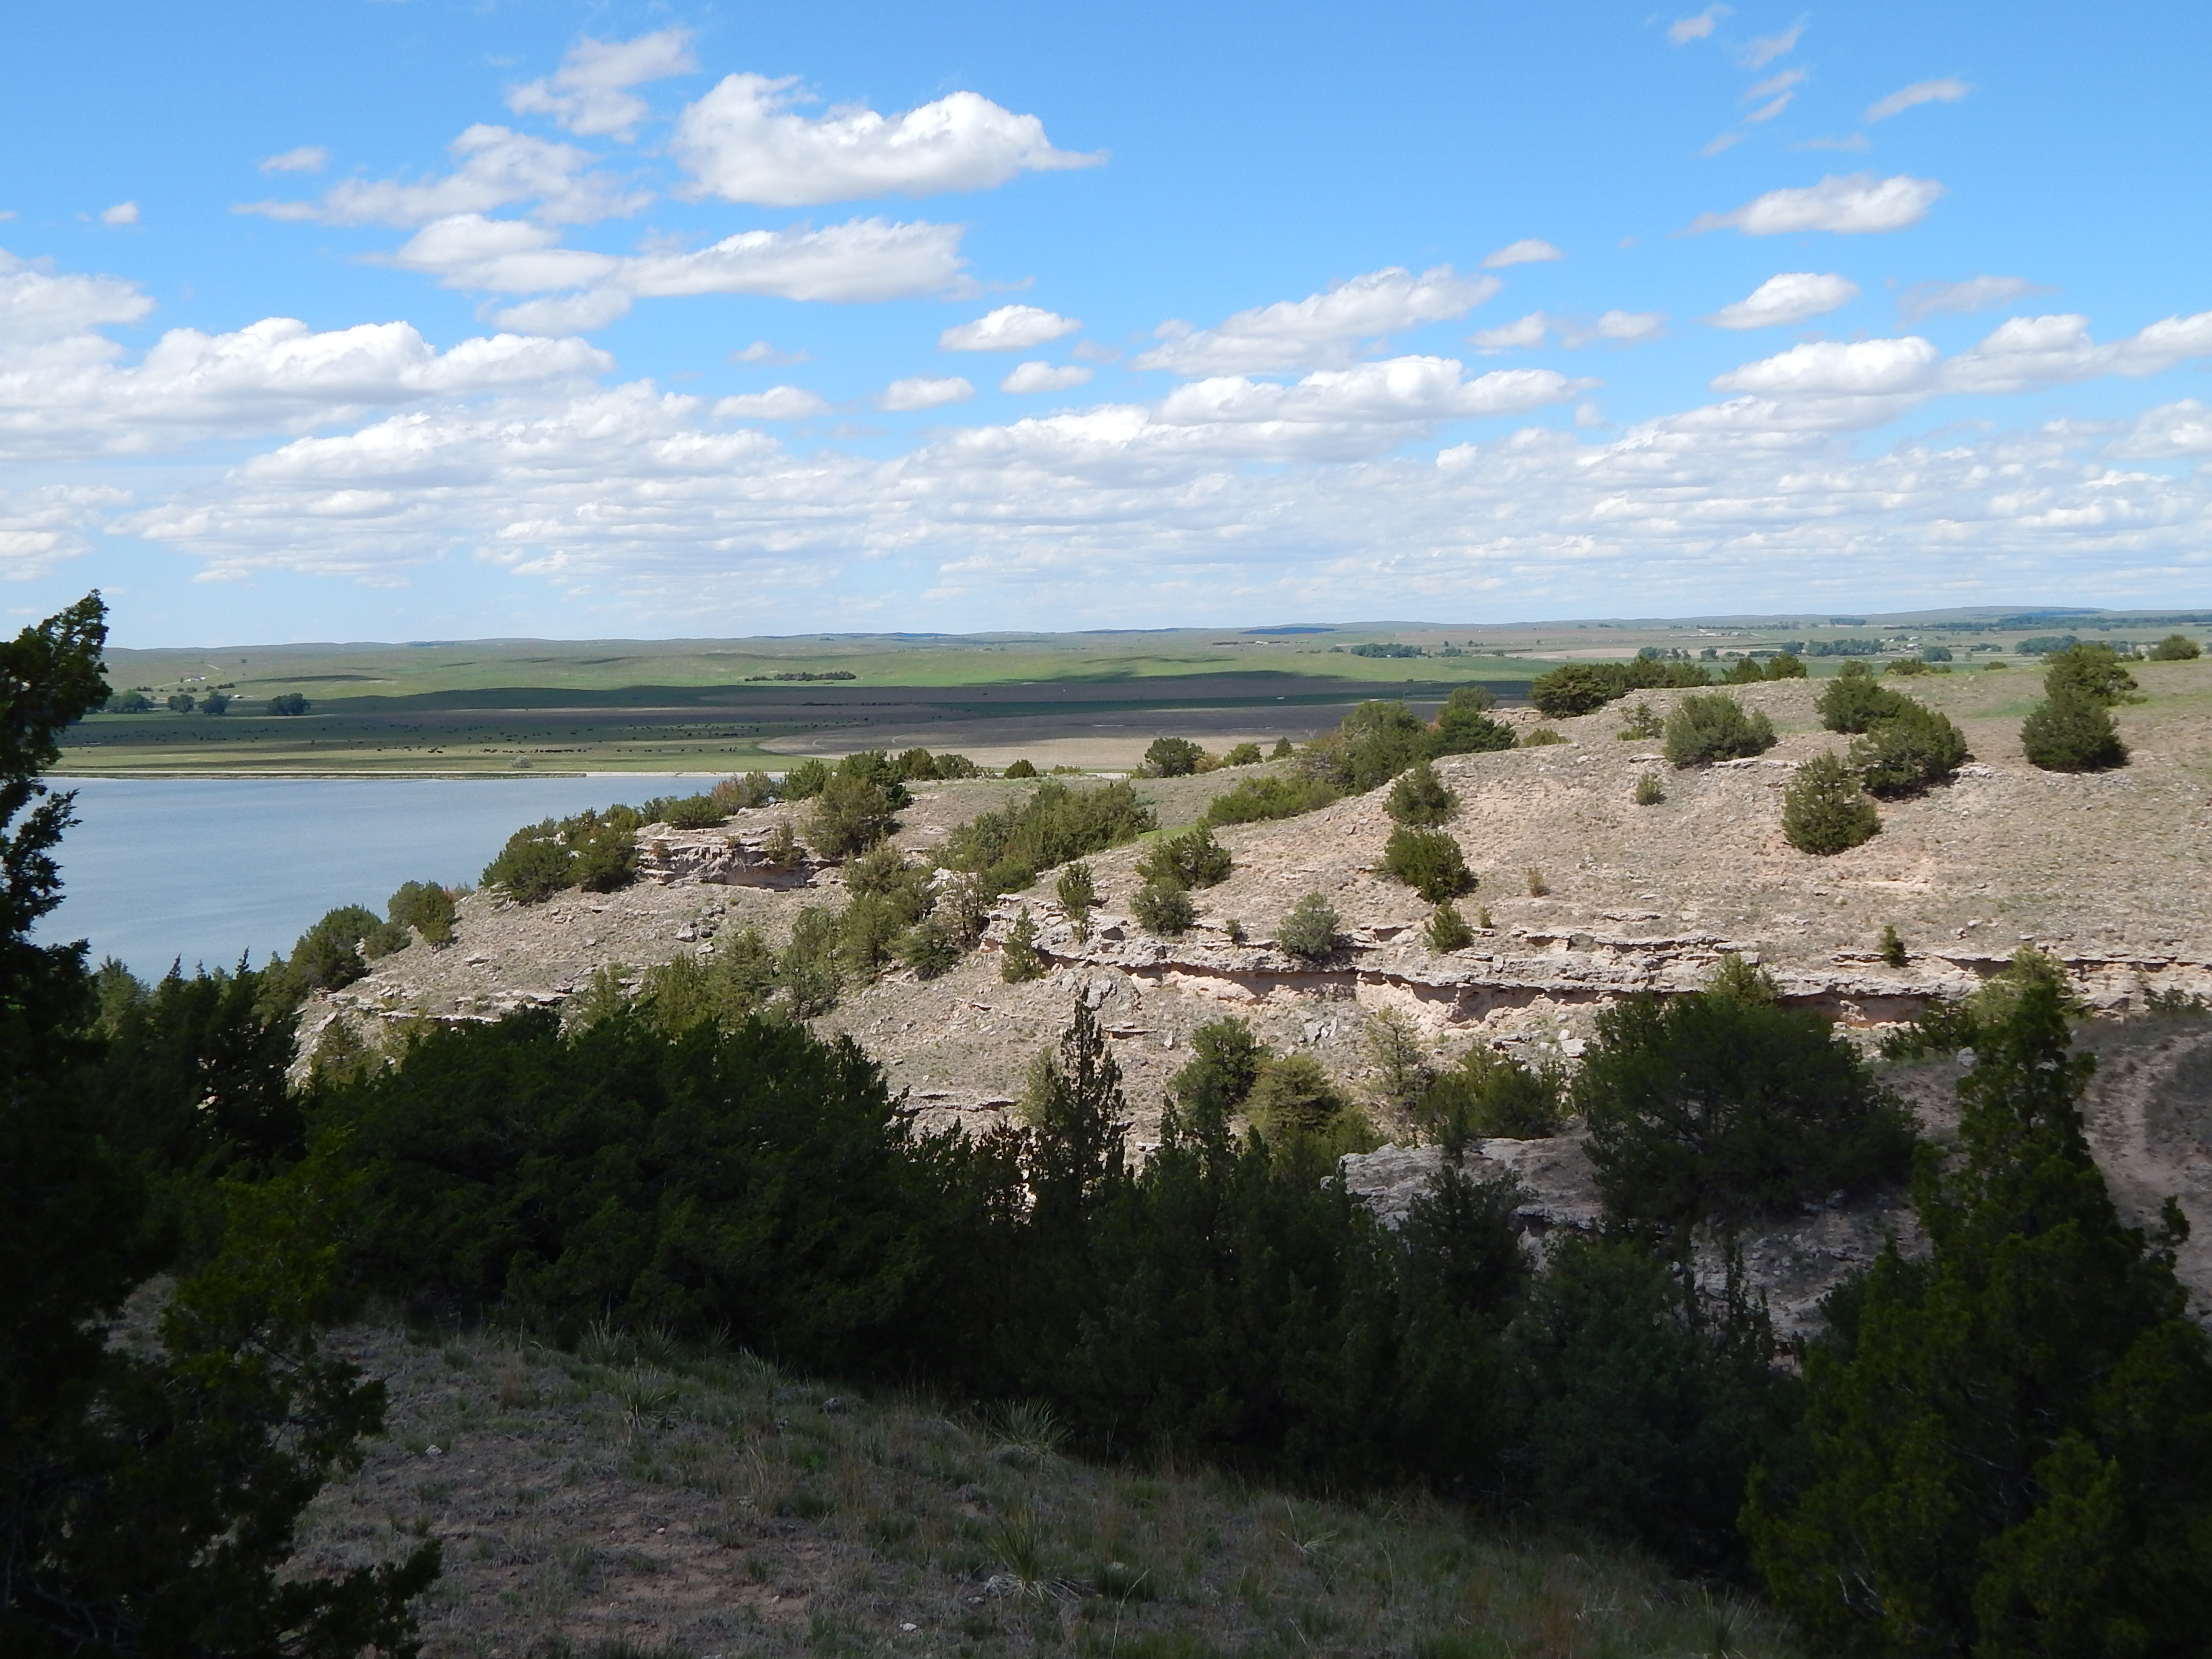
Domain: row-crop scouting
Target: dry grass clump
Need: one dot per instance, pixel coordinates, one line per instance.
(632, 1499)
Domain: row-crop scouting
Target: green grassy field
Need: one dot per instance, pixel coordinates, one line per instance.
(486, 707)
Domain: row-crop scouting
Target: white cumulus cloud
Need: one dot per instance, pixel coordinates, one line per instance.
(495, 168)
(123, 213)
(1790, 297)
(1962, 299)
(1529, 251)
(1920, 92)
(1849, 204)
(862, 259)
(308, 158)
(1322, 328)
(742, 142)
(2026, 352)
(778, 403)
(590, 93)
(1518, 335)
(1833, 368)
(39, 529)
(2170, 432)
(920, 391)
(1009, 328)
(1044, 377)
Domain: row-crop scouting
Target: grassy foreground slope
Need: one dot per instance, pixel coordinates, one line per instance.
(634, 1499)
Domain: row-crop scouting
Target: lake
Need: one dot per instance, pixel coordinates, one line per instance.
(206, 868)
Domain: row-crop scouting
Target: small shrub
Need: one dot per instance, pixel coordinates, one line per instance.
(1575, 688)
(426, 906)
(532, 867)
(1047, 827)
(1191, 859)
(2094, 671)
(2176, 647)
(1491, 1094)
(1294, 1099)
(931, 947)
(1823, 811)
(1643, 725)
(1258, 799)
(1892, 945)
(1284, 749)
(1464, 725)
(1447, 930)
(1164, 908)
(686, 813)
(1714, 727)
(1419, 798)
(1021, 769)
(1076, 890)
(753, 789)
(1310, 930)
(1019, 962)
(1172, 757)
(1854, 700)
(1908, 752)
(781, 849)
(851, 813)
(1537, 887)
(1243, 754)
(1429, 861)
(806, 781)
(1789, 665)
(1650, 792)
(1540, 737)
(1225, 1060)
(2072, 731)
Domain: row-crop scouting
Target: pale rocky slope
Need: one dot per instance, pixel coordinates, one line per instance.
(2106, 873)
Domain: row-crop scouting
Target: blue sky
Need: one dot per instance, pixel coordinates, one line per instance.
(412, 319)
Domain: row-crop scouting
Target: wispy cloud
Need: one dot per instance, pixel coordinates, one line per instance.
(1920, 92)
(1529, 251)
(590, 93)
(1322, 328)
(308, 158)
(1683, 30)
(1963, 299)
(1762, 51)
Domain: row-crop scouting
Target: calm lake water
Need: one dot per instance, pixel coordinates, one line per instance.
(205, 868)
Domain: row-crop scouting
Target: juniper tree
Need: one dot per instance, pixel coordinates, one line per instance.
(2071, 731)
(1018, 961)
(2011, 1440)
(1907, 752)
(1823, 811)
(1419, 798)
